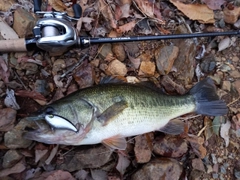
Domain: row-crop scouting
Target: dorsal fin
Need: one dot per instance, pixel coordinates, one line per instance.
(112, 80)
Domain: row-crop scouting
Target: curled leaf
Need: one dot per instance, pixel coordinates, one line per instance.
(225, 132)
(10, 100)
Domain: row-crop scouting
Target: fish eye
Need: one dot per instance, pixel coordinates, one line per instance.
(49, 110)
(51, 116)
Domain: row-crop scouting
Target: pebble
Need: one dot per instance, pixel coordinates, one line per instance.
(214, 159)
(116, 68)
(23, 22)
(198, 164)
(235, 58)
(170, 146)
(80, 158)
(119, 51)
(236, 173)
(231, 15)
(10, 158)
(236, 85)
(105, 50)
(226, 85)
(223, 170)
(143, 151)
(235, 74)
(209, 169)
(215, 175)
(165, 57)
(13, 139)
(147, 69)
(160, 168)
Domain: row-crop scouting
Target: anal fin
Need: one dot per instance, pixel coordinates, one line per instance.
(112, 112)
(115, 142)
(173, 127)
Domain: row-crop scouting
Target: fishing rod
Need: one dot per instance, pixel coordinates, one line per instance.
(55, 34)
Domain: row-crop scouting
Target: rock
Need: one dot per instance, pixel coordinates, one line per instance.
(161, 168)
(119, 51)
(236, 58)
(105, 50)
(116, 68)
(11, 158)
(231, 15)
(195, 174)
(236, 173)
(165, 57)
(7, 119)
(84, 75)
(82, 158)
(226, 85)
(208, 63)
(171, 87)
(58, 65)
(5, 5)
(53, 175)
(235, 74)
(147, 69)
(13, 139)
(23, 23)
(214, 159)
(170, 146)
(236, 85)
(185, 61)
(197, 164)
(42, 87)
(143, 147)
(31, 68)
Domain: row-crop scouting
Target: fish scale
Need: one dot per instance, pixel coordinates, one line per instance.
(110, 112)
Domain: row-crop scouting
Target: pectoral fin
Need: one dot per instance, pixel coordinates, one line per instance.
(174, 127)
(115, 142)
(112, 112)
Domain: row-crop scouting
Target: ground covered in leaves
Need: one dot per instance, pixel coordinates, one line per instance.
(209, 148)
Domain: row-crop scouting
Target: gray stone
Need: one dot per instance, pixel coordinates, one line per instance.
(226, 85)
(160, 168)
(11, 158)
(105, 50)
(13, 139)
(81, 158)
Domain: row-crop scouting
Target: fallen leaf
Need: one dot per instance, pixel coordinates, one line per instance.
(52, 154)
(197, 145)
(225, 132)
(214, 4)
(19, 167)
(57, 5)
(216, 124)
(57, 174)
(236, 122)
(99, 174)
(146, 7)
(30, 94)
(27, 59)
(224, 44)
(58, 81)
(82, 174)
(199, 12)
(4, 71)
(10, 100)
(7, 119)
(107, 13)
(126, 27)
(208, 131)
(123, 163)
(39, 154)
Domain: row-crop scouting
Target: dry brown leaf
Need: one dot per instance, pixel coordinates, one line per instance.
(4, 71)
(126, 27)
(30, 94)
(199, 12)
(19, 167)
(107, 13)
(58, 5)
(197, 145)
(214, 4)
(146, 7)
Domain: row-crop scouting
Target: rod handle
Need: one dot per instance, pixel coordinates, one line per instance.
(14, 45)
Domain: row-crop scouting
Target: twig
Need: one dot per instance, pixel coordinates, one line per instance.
(233, 101)
(74, 67)
(25, 87)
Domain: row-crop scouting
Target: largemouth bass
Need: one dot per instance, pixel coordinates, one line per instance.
(107, 113)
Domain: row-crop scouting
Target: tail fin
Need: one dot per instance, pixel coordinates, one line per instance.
(207, 101)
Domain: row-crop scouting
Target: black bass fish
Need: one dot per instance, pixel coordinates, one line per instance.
(107, 113)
